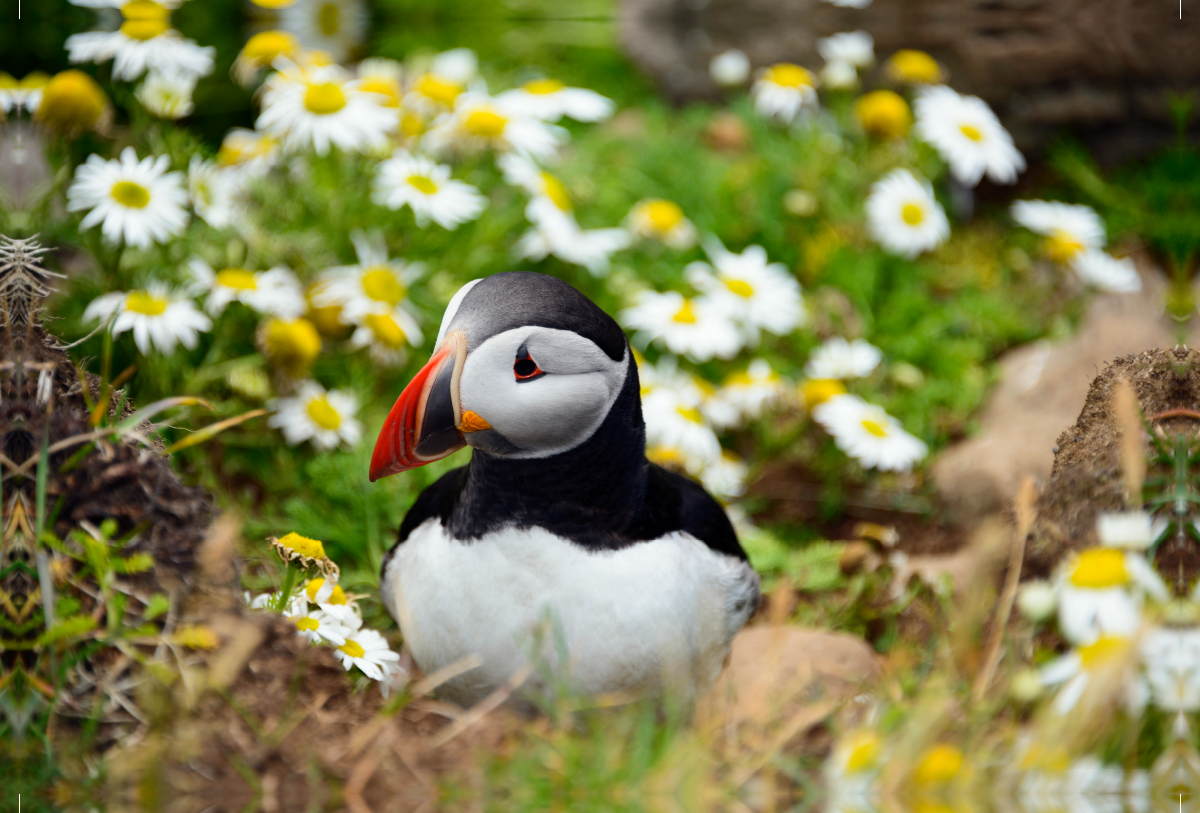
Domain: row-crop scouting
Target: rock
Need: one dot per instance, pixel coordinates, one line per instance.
(1105, 68)
(1040, 392)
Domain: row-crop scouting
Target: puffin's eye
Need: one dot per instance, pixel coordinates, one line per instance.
(525, 368)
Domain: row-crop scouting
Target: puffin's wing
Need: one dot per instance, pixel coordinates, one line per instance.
(678, 504)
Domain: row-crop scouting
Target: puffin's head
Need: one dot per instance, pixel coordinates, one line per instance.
(525, 366)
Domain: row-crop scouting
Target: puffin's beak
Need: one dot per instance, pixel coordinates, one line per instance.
(423, 426)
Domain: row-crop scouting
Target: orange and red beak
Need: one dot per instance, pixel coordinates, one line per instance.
(426, 424)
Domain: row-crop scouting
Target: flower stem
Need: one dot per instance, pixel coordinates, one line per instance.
(285, 592)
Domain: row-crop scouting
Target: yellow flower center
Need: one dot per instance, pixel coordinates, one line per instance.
(265, 46)
(34, 80)
(72, 101)
(874, 427)
(329, 19)
(144, 29)
(883, 114)
(864, 750)
(938, 765)
(322, 414)
(970, 132)
(1098, 568)
(916, 67)
(385, 329)
(1062, 246)
(787, 75)
(819, 390)
(324, 98)
(336, 595)
(422, 184)
(353, 649)
(238, 279)
(740, 287)
(690, 414)
(311, 548)
(130, 194)
(485, 122)
(685, 314)
(380, 284)
(146, 303)
(8, 81)
(411, 124)
(666, 456)
(544, 87)
(663, 215)
(440, 90)
(307, 623)
(912, 214)
(384, 87)
(291, 345)
(557, 193)
(273, 3)
(144, 19)
(1104, 649)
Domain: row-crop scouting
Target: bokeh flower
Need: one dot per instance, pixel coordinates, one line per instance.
(145, 41)
(320, 107)
(375, 284)
(756, 293)
(159, 318)
(965, 131)
(427, 188)
(903, 216)
(883, 114)
(291, 345)
(868, 434)
(551, 100)
(910, 67)
(700, 328)
(71, 103)
(138, 202)
(369, 651)
(783, 90)
(1069, 229)
(325, 418)
(276, 292)
(838, 358)
(167, 94)
(661, 220)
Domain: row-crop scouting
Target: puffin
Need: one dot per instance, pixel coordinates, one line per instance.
(559, 545)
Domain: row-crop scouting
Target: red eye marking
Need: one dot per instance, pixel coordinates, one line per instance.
(525, 368)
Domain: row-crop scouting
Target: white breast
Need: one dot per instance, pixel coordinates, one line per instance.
(657, 614)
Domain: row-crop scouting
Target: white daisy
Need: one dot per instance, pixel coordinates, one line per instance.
(145, 41)
(321, 625)
(276, 292)
(325, 418)
(260, 51)
(334, 26)
(384, 77)
(1037, 599)
(758, 294)
(744, 395)
(1132, 530)
(783, 90)
(427, 188)
(481, 122)
(725, 477)
(1108, 657)
(387, 335)
(395, 678)
(376, 284)
(729, 68)
(213, 190)
(440, 82)
(868, 434)
(1116, 275)
(701, 327)
(550, 100)
(167, 95)
(23, 94)
(327, 593)
(838, 358)
(1172, 666)
(369, 651)
(1101, 592)
(319, 107)
(521, 172)
(159, 318)
(556, 232)
(855, 48)
(1069, 229)
(676, 430)
(661, 220)
(138, 202)
(838, 75)
(968, 135)
(903, 216)
(248, 152)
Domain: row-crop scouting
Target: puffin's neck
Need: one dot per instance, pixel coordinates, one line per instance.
(591, 494)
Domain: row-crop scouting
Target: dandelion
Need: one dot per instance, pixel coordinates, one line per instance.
(72, 102)
(661, 220)
(369, 651)
(320, 107)
(783, 90)
(376, 284)
(24, 94)
(145, 41)
(292, 345)
(387, 335)
(868, 434)
(159, 318)
(427, 188)
(1112, 274)
(744, 395)
(883, 114)
(908, 67)
(758, 294)
(480, 122)
(701, 327)
(138, 202)
(729, 68)
(213, 190)
(1101, 592)
(838, 358)
(261, 50)
(167, 95)
(292, 547)
(550, 100)
(276, 292)
(903, 216)
(325, 418)
(965, 131)
(334, 26)
(1069, 229)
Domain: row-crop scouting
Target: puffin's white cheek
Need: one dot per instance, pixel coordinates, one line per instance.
(550, 413)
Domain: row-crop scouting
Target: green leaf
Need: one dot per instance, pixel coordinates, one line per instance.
(158, 605)
(72, 627)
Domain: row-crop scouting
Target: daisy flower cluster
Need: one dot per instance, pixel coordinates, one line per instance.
(325, 615)
(1074, 235)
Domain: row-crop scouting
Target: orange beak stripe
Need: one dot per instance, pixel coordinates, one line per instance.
(472, 422)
